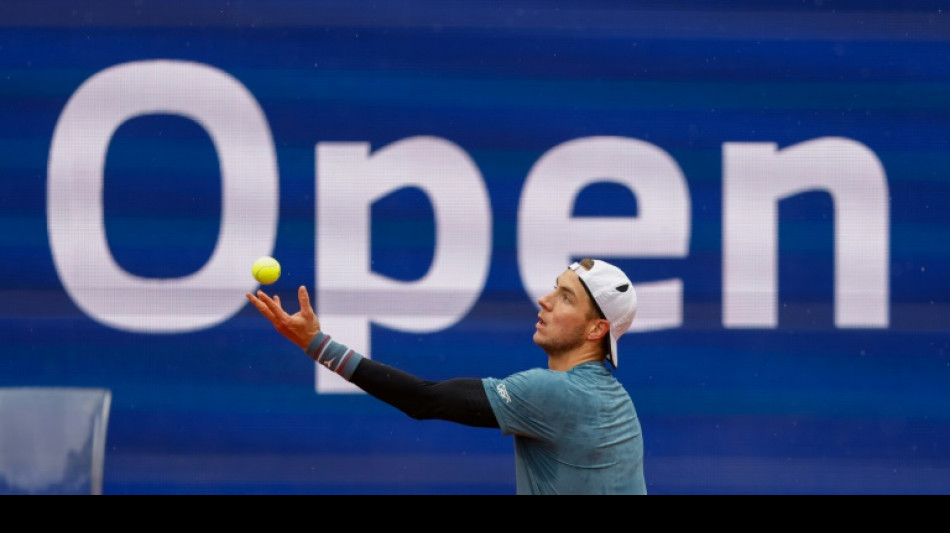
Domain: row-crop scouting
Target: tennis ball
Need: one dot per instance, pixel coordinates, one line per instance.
(266, 270)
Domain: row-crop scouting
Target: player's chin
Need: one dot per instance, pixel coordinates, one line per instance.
(538, 339)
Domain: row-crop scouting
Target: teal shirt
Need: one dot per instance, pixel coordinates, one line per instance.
(576, 432)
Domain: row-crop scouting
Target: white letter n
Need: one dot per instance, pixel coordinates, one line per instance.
(756, 177)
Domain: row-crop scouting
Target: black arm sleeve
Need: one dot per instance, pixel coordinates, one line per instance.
(461, 400)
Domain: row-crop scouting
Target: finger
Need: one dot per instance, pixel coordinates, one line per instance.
(261, 306)
(273, 306)
(264, 298)
(304, 297)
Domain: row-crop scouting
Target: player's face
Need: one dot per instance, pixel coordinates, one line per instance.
(564, 319)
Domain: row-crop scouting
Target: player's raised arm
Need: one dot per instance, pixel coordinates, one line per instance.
(457, 400)
(300, 328)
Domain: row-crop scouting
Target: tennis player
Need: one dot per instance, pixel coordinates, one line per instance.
(575, 427)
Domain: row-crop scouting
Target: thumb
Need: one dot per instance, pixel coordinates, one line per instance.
(304, 297)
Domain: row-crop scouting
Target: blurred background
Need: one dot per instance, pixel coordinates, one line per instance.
(150, 151)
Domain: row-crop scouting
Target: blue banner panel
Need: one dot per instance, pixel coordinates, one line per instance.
(774, 179)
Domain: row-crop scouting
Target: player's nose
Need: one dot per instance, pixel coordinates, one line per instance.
(544, 301)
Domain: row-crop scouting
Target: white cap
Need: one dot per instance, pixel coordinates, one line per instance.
(613, 295)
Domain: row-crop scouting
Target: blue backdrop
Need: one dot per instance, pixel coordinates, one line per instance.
(801, 405)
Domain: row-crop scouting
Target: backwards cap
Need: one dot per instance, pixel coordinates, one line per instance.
(613, 295)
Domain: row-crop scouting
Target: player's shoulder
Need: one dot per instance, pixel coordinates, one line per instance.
(537, 375)
(538, 384)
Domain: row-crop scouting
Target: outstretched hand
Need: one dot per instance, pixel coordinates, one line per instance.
(300, 328)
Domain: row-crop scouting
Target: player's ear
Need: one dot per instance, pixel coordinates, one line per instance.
(598, 329)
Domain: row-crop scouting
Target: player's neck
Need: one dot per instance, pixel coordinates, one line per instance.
(567, 360)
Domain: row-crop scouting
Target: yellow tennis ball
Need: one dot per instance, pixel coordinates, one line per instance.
(266, 270)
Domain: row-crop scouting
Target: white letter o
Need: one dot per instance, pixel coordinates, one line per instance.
(76, 220)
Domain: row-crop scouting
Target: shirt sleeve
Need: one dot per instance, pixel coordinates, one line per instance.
(527, 403)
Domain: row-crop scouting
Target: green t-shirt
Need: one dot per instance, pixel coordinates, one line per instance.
(576, 432)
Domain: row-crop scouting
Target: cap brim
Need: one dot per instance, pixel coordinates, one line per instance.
(612, 357)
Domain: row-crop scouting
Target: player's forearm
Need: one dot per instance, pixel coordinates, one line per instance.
(456, 400)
